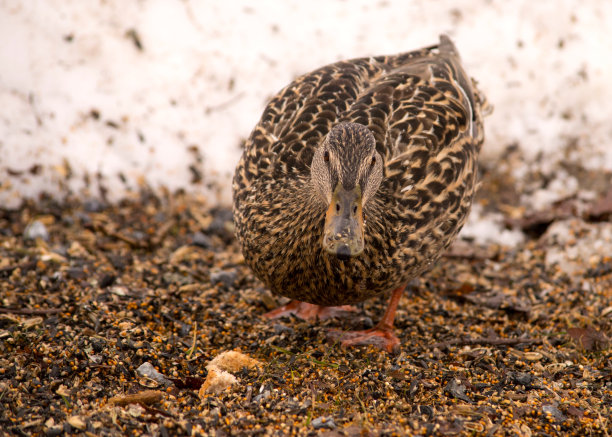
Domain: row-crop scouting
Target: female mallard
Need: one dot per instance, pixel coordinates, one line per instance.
(356, 178)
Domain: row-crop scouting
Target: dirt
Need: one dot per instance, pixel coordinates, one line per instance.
(495, 340)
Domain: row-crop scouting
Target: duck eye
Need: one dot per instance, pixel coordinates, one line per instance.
(326, 156)
(373, 161)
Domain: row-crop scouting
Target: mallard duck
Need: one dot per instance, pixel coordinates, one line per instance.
(356, 179)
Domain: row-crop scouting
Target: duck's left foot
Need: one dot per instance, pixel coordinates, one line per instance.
(308, 311)
(381, 337)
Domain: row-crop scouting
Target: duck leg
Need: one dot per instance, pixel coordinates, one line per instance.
(308, 311)
(381, 335)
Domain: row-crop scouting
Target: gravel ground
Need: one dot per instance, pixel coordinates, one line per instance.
(111, 314)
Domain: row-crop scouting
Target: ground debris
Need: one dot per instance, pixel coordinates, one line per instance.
(323, 422)
(217, 381)
(117, 324)
(143, 397)
(457, 390)
(233, 361)
(221, 370)
(148, 371)
(588, 338)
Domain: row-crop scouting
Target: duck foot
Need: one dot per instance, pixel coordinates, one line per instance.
(380, 337)
(308, 311)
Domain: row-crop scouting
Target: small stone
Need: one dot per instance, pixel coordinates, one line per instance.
(202, 240)
(222, 223)
(280, 329)
(36, 229)
(367, 322)
(148, 371)
(323, 422)
(226, 277)
(522, 378)
(554, 412)
(139, 236)
(93, 205)
(84, 218)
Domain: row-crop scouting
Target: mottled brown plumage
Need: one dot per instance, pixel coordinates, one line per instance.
(414, 169)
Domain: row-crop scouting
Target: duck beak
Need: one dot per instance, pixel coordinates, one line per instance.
(343, 235)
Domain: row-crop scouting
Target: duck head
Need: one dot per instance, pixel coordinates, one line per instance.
(346, 172)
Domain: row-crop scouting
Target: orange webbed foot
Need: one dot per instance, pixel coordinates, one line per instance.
(308, 311)
(380, 337)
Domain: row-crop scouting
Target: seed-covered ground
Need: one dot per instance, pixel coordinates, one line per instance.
(495, 340)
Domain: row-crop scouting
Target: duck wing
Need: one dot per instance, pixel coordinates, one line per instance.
(425, 114)
(417, 104)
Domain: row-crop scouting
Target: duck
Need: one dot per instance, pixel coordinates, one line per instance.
(355, 181)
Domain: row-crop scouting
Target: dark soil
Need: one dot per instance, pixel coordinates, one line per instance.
(495, 341)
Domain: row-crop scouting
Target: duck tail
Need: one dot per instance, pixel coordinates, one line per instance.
(447, 47)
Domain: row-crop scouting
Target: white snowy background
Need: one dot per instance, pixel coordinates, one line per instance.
(81, 105)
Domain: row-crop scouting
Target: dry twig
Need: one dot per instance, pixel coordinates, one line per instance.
(30, 311)
(144, 397)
